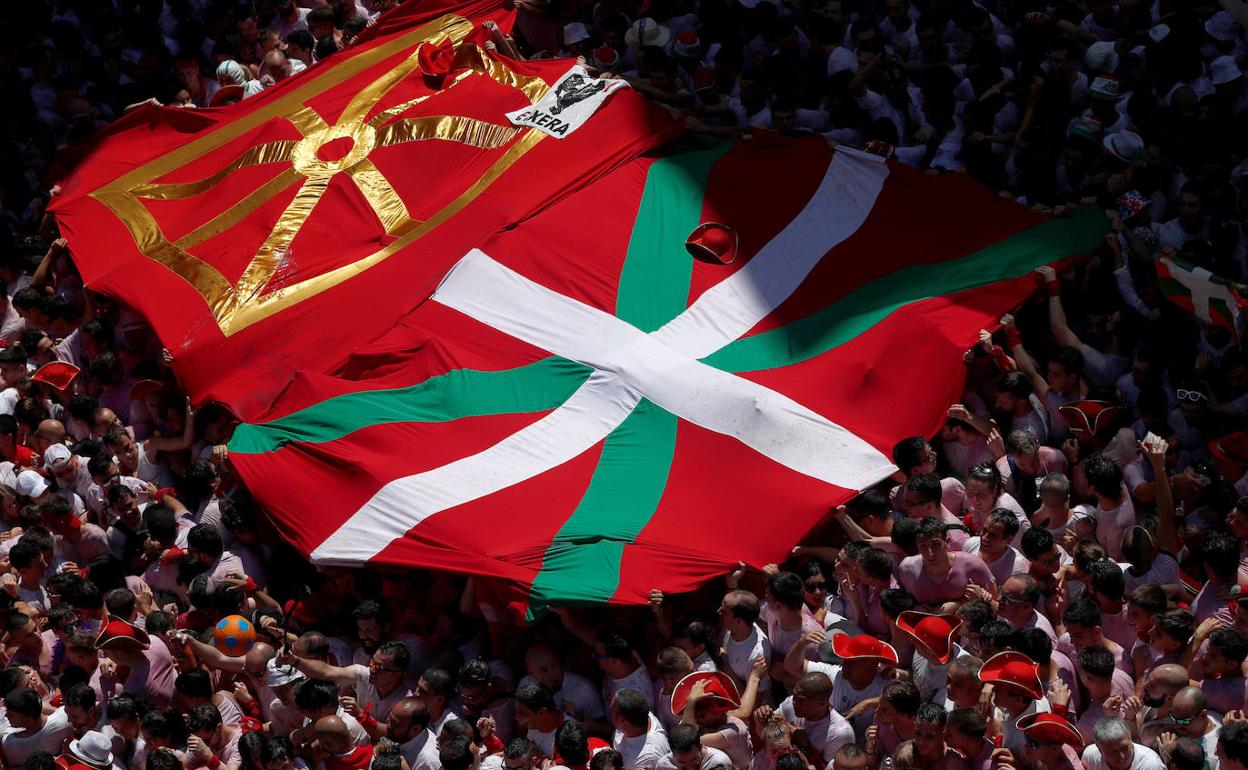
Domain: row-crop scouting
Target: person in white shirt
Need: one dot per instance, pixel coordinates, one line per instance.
(743, 640)
(32, 730)
(408, 725)
(543, 665)
(638, 735)
(538, 714)
(688, 753)
(622, 667)
(808, 708)
(1113, 749)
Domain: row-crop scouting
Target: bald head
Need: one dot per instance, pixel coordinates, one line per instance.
(331, 725)
(258, 656)
(407, 719)
(1170, 678)
(1189, 700)
(51, 431)
(276, 65)
(542, 663)
(333, 735)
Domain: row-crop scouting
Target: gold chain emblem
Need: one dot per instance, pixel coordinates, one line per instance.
(324, 152)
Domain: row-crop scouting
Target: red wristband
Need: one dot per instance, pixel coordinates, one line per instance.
(1013, 337)
(1054, 287)
(250, 586)
(213, 761)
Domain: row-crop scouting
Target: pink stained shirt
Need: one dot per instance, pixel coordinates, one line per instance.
(1226, 694)
(966, 569)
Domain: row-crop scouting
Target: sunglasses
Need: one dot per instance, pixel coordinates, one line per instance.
(1183, 721)
(817, 585)
(1191, 396)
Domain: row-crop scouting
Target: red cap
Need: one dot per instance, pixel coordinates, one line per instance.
(1050, 728)
(434, 59)
(713, 242)
(1014, 671)
(863, 647)
(58, 374)
(117, 634)
(932, 632)
(606, 57)
(226, 95)
(1232, 448)
(720, 691)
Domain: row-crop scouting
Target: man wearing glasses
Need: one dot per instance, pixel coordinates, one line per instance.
(1192, 720)
(378, 686)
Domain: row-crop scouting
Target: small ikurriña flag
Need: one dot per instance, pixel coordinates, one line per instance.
(1210, 298)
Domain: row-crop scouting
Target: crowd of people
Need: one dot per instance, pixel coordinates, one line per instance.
(1052, 582)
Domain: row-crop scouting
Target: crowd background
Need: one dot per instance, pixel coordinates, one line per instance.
(1052, 582)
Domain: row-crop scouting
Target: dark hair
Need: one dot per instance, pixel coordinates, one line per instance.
(975, 614)
(606, 759)
(24, 701)
(697, 632)
(277, 749)
(1105, 577)
(1007, 519)
(1231, 643)
(684, 737)
(371, 609)
(163, 759)
(909, 452)
(1082, 611)
(791, 761)
(926, 486)
(745, 606)
(1104, 475)
(536, 696)
(894, 601)
(1149, 597)
(616, 646)
(903, 696)
(400, 654)
(194, 683)
(986, 473)
(123, 706)
(455, 754)
(1096, 661)
(930, 528)
(81, 696)
(518, 746)
(24, 553)
(633, 707)
(571, 743)
(315, 695)
(905, 536)
(1178, 623)
(877, 563)
(203, 716)
(1220, 553)
(786, 589)
(1233, 740)
(120, 602)
(932, 713)
(968, 722)
(1016, 384)
(996, 633)
(1033, 642)
(1070, 359)
(40, 760)
(169, 724)
(205, 538)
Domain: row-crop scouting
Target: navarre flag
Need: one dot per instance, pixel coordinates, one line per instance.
(1210, 298)
(587, 411)
(280, 233)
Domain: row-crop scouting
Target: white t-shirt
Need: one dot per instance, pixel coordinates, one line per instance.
(827, 735)
(56, 728)
(643, 751)
(740, 654)
(421, 752)
(366, 693)
(638, 680)
(711, 758)
(844, 696)
(578, 691)
(1144, 759)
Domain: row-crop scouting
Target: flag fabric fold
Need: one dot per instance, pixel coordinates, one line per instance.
(1210, 298)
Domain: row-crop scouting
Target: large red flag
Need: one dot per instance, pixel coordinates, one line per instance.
(280, 233)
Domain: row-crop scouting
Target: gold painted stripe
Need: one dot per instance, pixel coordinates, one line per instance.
(451, 128)
(261, 154)
(385, 202)
(270, 253)
(239, 211)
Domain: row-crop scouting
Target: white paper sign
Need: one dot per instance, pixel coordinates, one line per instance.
(569, 103)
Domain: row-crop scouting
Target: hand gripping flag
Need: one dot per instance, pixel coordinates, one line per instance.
(587, 412)
(280, 233)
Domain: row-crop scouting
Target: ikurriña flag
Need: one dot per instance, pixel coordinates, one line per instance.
(586, 408)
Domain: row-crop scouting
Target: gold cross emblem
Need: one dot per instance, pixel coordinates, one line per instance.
(324, 152)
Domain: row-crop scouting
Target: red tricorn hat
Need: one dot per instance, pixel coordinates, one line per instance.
(144, 388)
(117, 634)
(58, 374)
(226, 95)
(434, 59)
(713, 242)
(720, 691)
(1014, 671)
(863, 647)
(1050, 728)
(1232, 448)
(1091, 422)
(933, 632)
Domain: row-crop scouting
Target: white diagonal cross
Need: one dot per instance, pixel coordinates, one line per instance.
(630, 365)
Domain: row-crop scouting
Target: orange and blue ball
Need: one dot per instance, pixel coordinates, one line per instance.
(234, 635)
